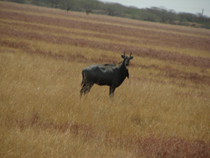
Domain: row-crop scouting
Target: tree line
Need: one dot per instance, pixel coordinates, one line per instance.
(153, 14)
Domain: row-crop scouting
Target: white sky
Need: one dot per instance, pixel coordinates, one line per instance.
(189, 6)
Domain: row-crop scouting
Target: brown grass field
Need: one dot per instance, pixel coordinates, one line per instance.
(161, 111)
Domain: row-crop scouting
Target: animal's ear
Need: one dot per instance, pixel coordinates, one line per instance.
(123, 56)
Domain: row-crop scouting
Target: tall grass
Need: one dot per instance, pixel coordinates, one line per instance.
(41, 106)
(161, 111)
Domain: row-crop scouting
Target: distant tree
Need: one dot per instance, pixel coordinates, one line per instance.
(89, 5)
(53, 3)
(67, 4)
(114, 9)
(109, 9)
(153, 14)
(17, 1)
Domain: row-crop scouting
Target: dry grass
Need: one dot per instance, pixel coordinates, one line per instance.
(161, 111)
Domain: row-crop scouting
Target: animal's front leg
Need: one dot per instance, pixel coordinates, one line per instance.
(111, 91)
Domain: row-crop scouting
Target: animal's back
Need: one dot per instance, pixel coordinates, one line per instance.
(99, 74)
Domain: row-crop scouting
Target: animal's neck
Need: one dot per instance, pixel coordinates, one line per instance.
(122, 64)
(123, 70)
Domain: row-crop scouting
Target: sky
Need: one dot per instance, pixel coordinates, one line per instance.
(189, 6)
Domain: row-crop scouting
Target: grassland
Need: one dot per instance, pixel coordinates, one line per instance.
(161, 111)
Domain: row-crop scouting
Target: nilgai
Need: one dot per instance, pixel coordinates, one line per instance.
(107, 74)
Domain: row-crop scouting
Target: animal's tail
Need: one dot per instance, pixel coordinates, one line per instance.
(83, 78)
(83, 82)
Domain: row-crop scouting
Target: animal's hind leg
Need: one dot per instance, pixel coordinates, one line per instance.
(85, 89)
(88, 87)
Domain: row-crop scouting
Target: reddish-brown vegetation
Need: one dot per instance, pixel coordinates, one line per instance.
(152, 146)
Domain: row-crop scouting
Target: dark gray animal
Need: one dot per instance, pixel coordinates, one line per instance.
(107, 74)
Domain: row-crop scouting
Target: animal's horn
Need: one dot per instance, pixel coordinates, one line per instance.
(131, 57)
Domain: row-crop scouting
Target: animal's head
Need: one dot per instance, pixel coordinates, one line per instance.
(126, 60)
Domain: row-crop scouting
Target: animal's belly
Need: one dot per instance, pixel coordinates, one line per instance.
(103, 82)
